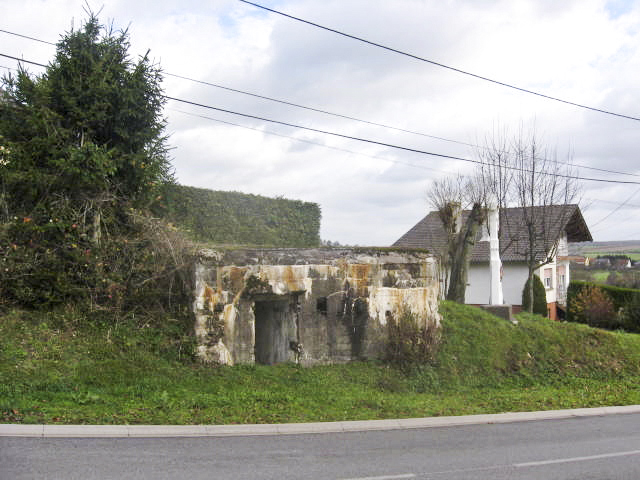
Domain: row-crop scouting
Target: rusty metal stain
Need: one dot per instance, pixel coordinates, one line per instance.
(236, 275)
(210, 297)
(359, 272)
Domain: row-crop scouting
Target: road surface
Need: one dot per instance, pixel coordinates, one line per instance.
(603, 447)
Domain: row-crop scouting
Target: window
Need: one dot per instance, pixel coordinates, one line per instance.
(548, 272)
(562, 279)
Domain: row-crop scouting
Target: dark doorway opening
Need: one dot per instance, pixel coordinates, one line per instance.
(275, 327)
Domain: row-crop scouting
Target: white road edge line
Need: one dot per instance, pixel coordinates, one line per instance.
(576, 459)
(384, 477)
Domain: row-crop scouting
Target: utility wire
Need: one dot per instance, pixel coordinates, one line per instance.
(318, 110)
(23, 60)
(437, 64)
(599, 200)
(26, 36)
(268, 132)
(337, 115)
(390, 145)
(384, 144)
(616, 209)
(326, 112)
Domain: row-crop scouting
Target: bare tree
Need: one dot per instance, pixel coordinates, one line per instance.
(542, 186)
(495, 175)
(448, 197)
(516, 171)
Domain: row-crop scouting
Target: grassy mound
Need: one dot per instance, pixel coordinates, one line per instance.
(67, 367)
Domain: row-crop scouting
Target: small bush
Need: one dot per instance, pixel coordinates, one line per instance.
(409, 344)
(626, 303)
(595, 308)
(539, 297)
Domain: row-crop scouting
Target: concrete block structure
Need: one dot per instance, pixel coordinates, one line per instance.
(319, 305)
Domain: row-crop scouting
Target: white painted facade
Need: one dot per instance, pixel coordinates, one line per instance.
(515, 276)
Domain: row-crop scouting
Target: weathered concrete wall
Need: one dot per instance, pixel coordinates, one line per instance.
(257, 305)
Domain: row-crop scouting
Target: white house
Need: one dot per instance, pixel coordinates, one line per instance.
(556, 226)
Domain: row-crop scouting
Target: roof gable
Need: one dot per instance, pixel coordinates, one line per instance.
(552, 221)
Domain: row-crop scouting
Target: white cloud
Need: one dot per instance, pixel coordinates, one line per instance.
(586, 51)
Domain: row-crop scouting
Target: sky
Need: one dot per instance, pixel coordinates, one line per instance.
(581, 51)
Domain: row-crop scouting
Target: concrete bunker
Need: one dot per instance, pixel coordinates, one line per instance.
(272, 306)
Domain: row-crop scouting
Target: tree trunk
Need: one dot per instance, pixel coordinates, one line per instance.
(530, 292)
(460, 254)
(532, 258)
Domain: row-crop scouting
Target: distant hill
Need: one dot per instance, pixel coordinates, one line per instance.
(602, 248)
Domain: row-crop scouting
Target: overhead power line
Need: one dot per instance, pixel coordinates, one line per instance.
(309, 142)
(319, 110)
(285, 102)
(23, 60)
(424, 152)
(600, 200)
(326, 112)
(437, 64)
(390, 145)
(617, 208)
(26, 36)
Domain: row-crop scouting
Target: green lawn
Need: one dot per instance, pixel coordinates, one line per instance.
(600, 276)
(55, 368)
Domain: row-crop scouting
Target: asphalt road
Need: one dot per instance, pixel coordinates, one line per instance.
(601, 448)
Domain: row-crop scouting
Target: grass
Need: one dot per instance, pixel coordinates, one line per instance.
(600, 276)
(60, 367)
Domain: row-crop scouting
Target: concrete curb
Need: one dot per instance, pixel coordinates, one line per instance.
(142, 431)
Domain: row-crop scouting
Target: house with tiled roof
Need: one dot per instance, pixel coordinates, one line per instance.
(556, 225)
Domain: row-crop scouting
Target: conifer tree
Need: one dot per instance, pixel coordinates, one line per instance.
(83, 145)
(90, 129)
(539, 305)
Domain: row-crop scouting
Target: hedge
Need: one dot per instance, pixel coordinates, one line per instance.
(234, 218)
(626, 302)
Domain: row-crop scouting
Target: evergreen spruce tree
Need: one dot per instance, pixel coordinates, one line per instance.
(82, 147)
(539, 297)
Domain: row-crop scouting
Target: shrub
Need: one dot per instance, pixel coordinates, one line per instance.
(539, 297)
(83, 156)
(409, 344)
(626, 302)
(595, 308)
(630, 315)
(234, 218)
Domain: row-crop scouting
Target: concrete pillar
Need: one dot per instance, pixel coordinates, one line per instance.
(495, 264)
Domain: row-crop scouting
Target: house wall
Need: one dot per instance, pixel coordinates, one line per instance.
(255, 305)
(514, 276)
(513, 280)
